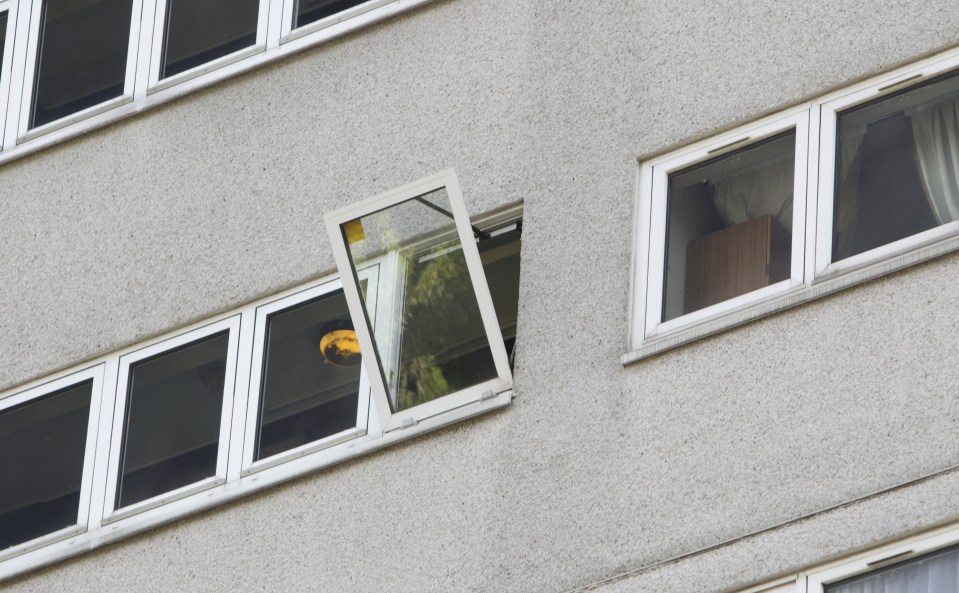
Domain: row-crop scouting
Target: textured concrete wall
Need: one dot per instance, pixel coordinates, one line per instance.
(596, 470)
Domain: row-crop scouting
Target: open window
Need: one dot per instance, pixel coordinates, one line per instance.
(893, 150)
(430, 337)
(47, 443)
(82, 60)
(725, 223)
(172, 419)
(194, 36)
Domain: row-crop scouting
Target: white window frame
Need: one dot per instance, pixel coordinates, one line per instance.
(157, 29)
(34, 9)
(110, 513)
(11, 7)
(876, 559)
(94, 374)
(649, 336)
(263, 313)
(289, 33)
(652, 211)
(388, 419)
(848, 98)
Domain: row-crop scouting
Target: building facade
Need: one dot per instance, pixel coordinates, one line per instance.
(758, 446)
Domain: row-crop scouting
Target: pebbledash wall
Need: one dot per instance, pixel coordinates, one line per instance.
(759, 452)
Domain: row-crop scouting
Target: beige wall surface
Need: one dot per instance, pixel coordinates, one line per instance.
(597, 471)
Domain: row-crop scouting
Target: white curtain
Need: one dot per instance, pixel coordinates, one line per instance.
(938, 574)
(755, 191)
(935, 130)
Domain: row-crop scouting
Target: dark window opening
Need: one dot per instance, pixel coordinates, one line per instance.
(310, 11)
(81, 56)
(42, 445)
(304, 396)
(173, 411)
(200, 31)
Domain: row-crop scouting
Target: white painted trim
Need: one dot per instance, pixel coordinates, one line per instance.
(6, 66)
(389, 419)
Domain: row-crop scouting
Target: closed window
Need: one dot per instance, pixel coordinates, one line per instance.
(310, 379)
(729, 225)
(172, 418)
(197, 32)
(724, 225)
(81, 57)
(735, 227)
(47, 439)
(897, 167)
(310, 11)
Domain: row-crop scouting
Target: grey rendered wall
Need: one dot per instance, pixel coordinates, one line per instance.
(597, 471)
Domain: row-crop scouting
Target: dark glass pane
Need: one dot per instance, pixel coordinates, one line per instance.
(172, 428)
(500, 256)
(42, 443)
(897, 167)
(3, 33)
(82, 57)
(199, 31)
(432, 342)
(304, 396)
(310, 11)
(729, 229)
(933, 573)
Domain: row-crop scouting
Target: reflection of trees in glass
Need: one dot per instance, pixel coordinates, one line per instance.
(444, 345)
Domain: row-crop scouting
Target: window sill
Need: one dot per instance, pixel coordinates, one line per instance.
(835, 282)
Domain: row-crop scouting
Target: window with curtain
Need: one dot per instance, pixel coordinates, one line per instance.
(897, 167)
(933, 573)
(729, 226)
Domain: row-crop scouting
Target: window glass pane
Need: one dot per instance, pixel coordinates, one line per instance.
(429, 335)
(730, 226)
(199, 31)
(933, 573)
(500, 256)
(3, 33)
(42, 443)
(82, 57)
(309, 11)
(897, 167)
(172, 428)
(311, 375)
